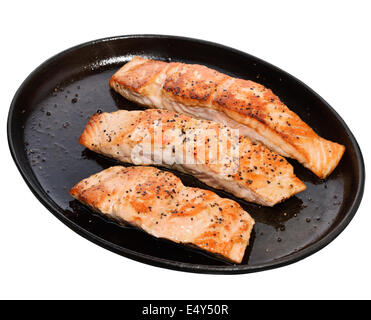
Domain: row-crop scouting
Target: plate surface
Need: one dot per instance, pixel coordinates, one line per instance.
(53, 105)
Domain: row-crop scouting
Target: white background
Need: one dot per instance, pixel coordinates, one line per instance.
(326, 44)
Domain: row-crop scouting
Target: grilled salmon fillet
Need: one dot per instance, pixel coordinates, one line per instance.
(157, 202)
(208, 94)
(206, 149)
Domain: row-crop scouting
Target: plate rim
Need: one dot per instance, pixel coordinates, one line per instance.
(36, 189)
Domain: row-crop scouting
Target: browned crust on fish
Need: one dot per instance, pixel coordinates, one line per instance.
(266, 176)
(244, 101)
(157, 202)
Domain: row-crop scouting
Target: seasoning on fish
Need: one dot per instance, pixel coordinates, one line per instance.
(157, 202)
(219, 157)
(204, 93)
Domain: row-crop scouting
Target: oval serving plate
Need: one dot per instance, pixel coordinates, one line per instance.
(53, 105)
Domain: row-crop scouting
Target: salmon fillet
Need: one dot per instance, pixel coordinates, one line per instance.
(157, 202)
(208, 150)
(208, 94)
